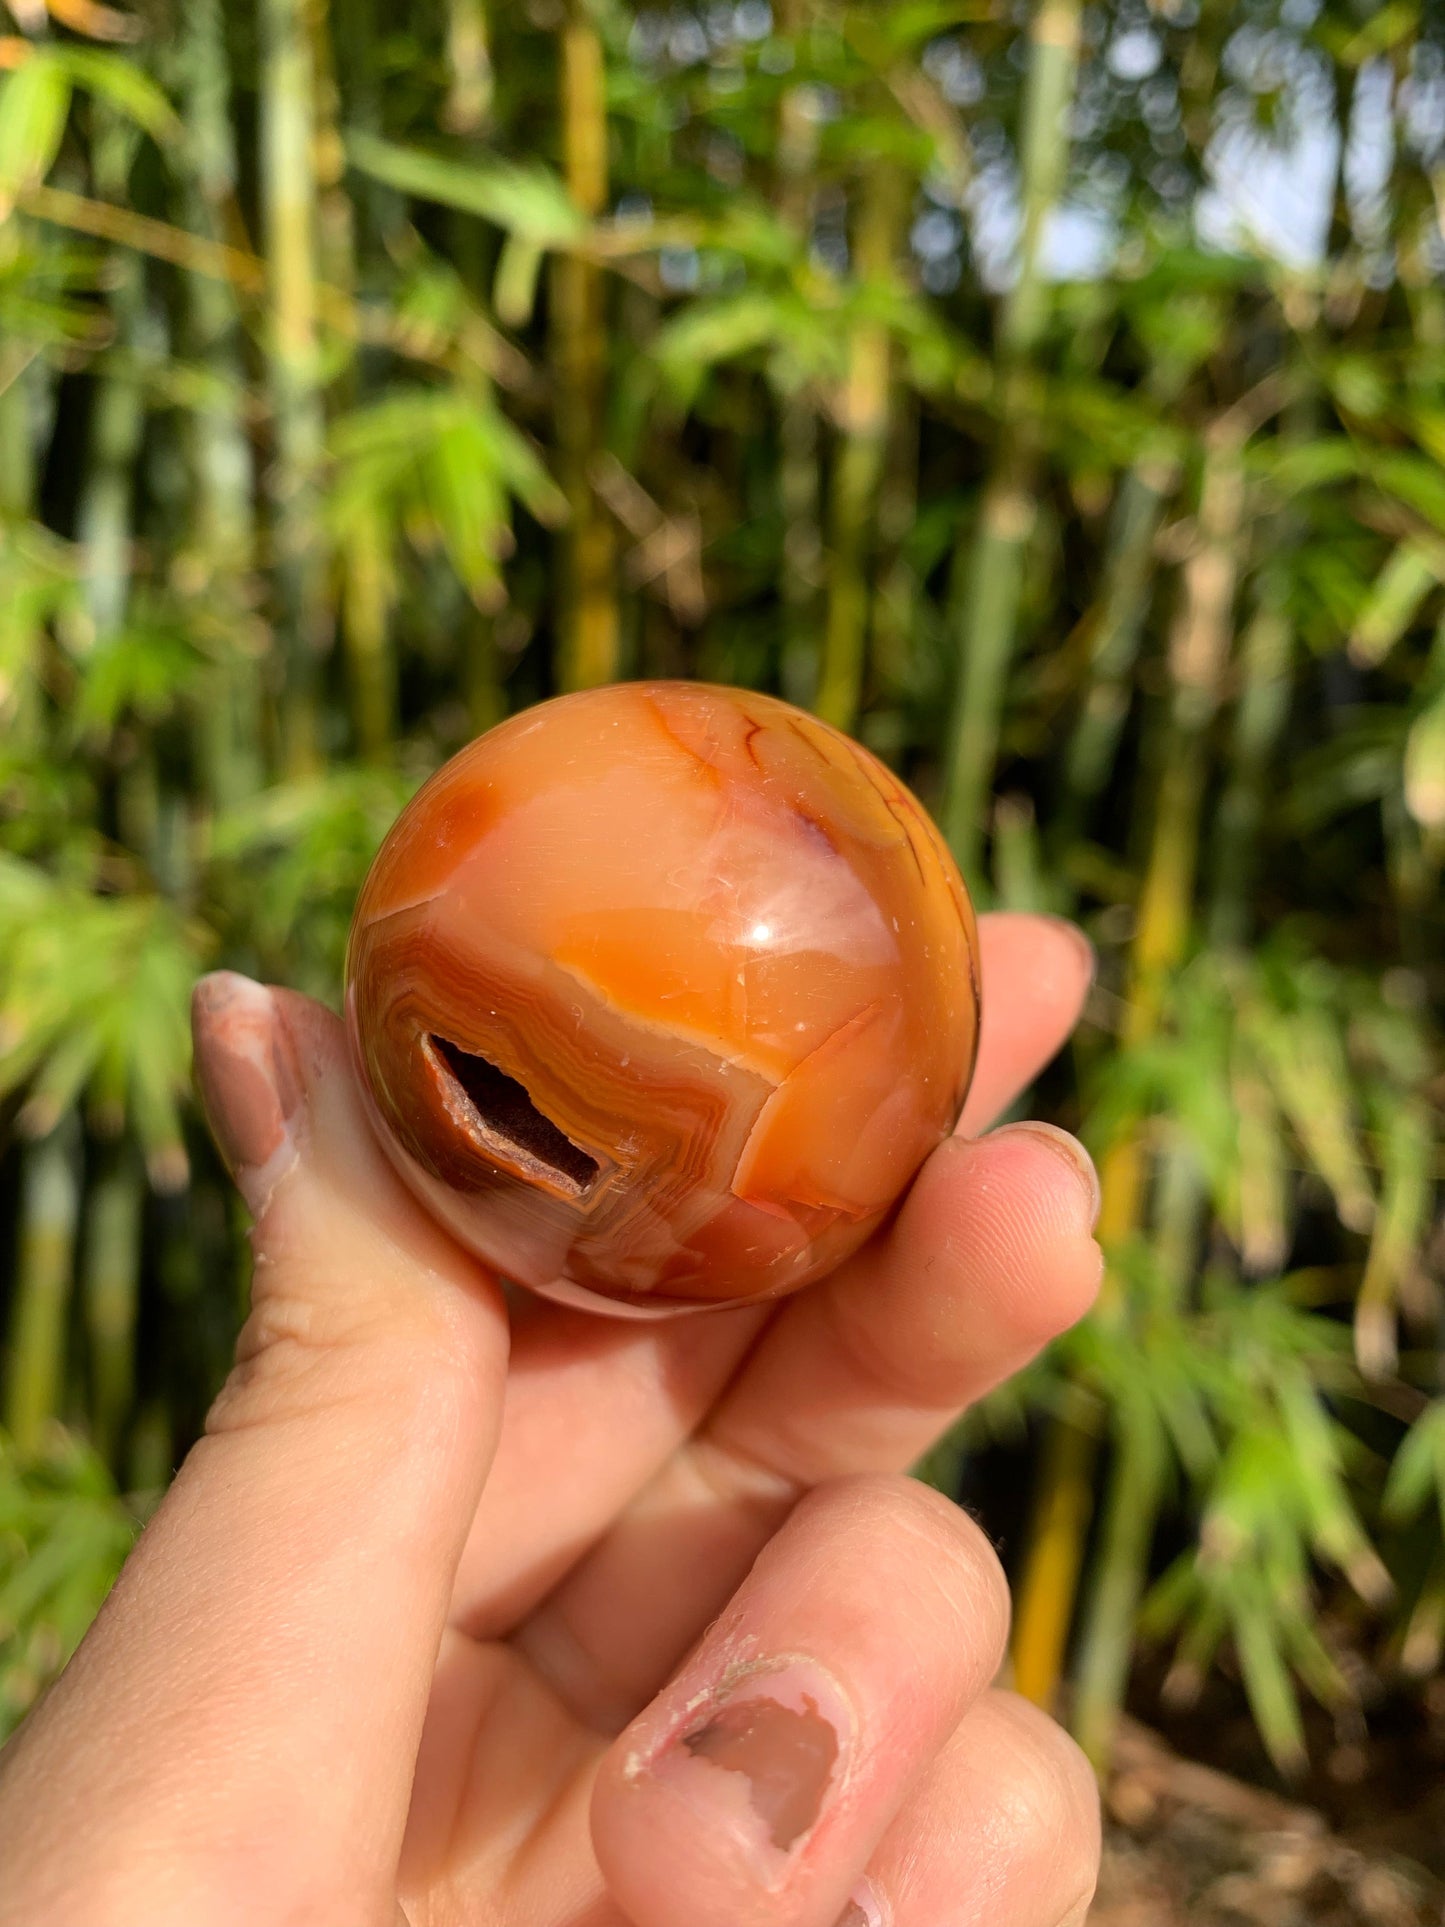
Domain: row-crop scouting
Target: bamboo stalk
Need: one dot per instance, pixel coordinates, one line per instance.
(1114, 645)
(111, 1282)
(1259, 719)
(230, 726)
(895, 602)
(1198, 656)
(289, 197)
(368, 596)
(482, 669)
(469, 64)
(105, 519)
(335, 216)
(1131, 1507)
(1054, 1552)
(1266, 655)
(368, 586)
(800, 493)
(858, 469)
(989, 583)
(800, 498)
(1135, 1489)
(17, 439)
(103, 523)
(589, 628)
(22, 703)
(49, 1209)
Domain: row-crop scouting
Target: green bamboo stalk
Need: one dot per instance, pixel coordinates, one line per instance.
(1198, 658)
(1266, 654)
(589, 629)
(368, 596)
(1131, 1508)
(1114, 645)
(895, 602)
(49, 1209)
(289, 197)
(367, 569)
(379, 211)
(989, 583)
(219, 451)
(18, 373)
(800, 492)
(800, 497)
(110, 1284)
(104, 519)
(1260, 716)
(858, 469)
(482, 669)
(1136, 1486)
(335, 214)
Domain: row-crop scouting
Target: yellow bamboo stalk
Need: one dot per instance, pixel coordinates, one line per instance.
(589, 629)
(469, 59)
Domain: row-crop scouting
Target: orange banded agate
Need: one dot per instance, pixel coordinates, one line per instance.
(661, 993)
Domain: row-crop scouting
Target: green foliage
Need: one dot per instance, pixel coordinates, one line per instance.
(94, 994)
(304, 480)
(64, 1533)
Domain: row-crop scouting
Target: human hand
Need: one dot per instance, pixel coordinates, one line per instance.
(587, 1622)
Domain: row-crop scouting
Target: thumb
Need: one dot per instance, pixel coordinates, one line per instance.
(247, 1709)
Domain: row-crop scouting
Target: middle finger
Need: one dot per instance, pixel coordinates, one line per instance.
(990, 1257)
(595, 1408)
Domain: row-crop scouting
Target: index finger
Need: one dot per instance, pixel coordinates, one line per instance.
(268, 1651)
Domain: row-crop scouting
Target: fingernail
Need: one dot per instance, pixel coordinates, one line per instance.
(1088, 956)
(864, 1909)
(1072, 1153)
(759, 1761)
(250, 1080)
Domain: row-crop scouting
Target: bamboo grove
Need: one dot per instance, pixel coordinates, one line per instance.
(367, 374)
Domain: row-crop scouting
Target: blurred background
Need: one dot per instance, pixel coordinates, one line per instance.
(1053, 395)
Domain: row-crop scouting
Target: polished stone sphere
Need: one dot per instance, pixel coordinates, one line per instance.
(661, 993)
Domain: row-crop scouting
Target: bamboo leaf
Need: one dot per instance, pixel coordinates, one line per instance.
(1418, 1468)
(123, 85)
(34, 105)
(1407, 1149)
(527, 201)
(1424, 765)
(1303, 1057)
(1393, 602)
(1272, 1698)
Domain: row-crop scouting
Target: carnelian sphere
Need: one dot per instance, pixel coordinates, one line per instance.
(661, 993)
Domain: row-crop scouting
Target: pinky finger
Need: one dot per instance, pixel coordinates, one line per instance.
(1001, 1831)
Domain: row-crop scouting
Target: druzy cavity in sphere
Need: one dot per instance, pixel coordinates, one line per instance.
(660, 995)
